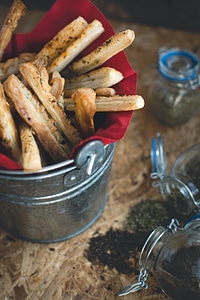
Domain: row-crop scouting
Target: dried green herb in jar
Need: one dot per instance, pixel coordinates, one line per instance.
(184, 268)
(192, 169)
(172, 106)
(174, 96)
(185, 193)
(181, 188)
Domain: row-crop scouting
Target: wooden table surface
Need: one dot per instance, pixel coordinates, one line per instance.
(63, 270)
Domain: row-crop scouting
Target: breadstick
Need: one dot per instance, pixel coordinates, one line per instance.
(16, 11)
(8, 131)
(114, 103)
(106, 92)
(85, 109)
(100, 78)
(62, 39)
(22, 100)
(101, 54)
(57, 85)
(88, 35)
(31, 159)
(41, 89)
(11, 66)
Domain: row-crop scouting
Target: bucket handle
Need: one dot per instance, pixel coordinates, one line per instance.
(89, 154)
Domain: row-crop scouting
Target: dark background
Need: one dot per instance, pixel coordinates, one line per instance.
(177, 14)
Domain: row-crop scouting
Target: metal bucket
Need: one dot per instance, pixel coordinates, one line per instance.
(60, 201)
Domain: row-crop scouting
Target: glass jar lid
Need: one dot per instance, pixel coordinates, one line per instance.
(179, 65)
(158, 157)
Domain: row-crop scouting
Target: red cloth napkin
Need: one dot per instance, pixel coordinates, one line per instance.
(60, 14)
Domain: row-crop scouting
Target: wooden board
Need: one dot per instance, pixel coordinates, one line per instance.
(65, 270)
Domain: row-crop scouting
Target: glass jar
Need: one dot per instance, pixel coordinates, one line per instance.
(175, 96)
(182, 187)
(172, 255)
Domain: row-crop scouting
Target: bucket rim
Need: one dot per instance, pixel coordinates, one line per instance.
(70, 163)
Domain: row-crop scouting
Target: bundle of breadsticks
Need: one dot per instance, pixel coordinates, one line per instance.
(49, 100)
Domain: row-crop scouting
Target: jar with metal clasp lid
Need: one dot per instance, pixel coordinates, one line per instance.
(175, 94)
(181, 188)
(172, 255)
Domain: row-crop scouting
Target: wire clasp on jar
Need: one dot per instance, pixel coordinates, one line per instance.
(147, 249)
(140, 284)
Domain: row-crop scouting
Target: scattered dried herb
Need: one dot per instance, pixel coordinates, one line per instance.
(116, 249)
(149, 214)
(120, 249)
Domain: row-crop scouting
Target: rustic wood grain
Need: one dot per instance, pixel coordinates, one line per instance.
(61, 271)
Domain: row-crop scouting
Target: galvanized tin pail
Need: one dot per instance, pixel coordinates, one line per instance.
(60, 201)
